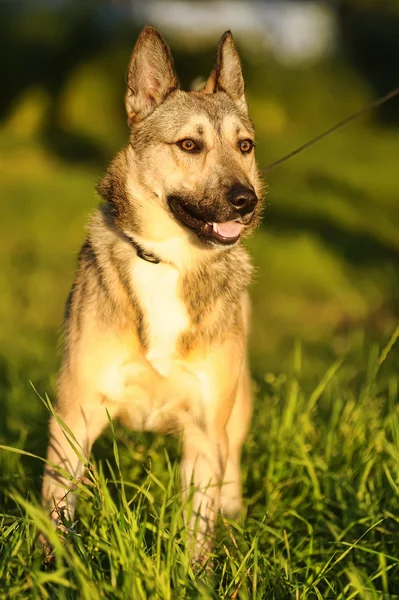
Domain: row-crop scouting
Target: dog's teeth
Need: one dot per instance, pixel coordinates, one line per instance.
(215, 227)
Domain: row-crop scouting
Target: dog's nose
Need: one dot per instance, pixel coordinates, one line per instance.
(242, 198)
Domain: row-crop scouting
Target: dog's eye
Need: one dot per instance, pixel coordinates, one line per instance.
(188, 145)
(246, 146)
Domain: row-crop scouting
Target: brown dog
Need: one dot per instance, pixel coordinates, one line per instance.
(157, 319)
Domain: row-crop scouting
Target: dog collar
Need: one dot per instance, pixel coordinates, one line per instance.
(144, 254)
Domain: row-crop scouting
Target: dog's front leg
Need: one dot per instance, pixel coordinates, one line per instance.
(79, 421)
(205, 452)
(237, 429)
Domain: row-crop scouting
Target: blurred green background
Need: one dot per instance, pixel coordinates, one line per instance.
(327, 268)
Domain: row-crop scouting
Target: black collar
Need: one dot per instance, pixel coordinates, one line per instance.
(144, 254)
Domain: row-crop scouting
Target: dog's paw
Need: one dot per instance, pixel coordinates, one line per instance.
(43, 545)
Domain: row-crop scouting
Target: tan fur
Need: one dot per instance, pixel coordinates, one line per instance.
(162, 345)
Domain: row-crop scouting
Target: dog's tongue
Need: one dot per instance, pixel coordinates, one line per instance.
(230, 229)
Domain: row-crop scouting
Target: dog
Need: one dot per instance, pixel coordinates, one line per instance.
(157, 319)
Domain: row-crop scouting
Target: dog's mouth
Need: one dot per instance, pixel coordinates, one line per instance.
(224, 233)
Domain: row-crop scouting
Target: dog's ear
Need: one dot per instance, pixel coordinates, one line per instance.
(226, 75)
(151, 75)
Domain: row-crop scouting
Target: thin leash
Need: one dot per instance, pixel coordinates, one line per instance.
(353, 117)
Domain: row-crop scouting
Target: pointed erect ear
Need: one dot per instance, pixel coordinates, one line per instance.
(151, 76)
(227, 74)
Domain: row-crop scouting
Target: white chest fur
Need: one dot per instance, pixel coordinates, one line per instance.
(157, 289)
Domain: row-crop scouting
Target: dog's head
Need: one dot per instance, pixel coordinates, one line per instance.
(193, 151)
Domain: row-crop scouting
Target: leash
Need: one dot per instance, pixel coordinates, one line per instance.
(352, 117)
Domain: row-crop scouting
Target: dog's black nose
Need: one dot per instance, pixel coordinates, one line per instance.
(242, 198)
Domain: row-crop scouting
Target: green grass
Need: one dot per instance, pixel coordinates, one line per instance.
(320, 471)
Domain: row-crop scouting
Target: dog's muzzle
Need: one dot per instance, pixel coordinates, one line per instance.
(223, 232)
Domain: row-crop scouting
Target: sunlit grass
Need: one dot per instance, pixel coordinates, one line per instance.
(320, 474)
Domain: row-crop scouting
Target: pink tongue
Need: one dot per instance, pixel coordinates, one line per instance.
(229, 229)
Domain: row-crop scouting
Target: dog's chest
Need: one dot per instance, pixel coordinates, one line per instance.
(165, 315)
